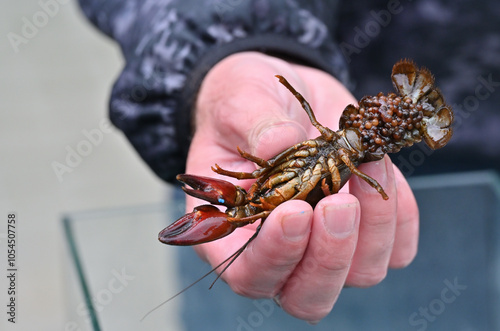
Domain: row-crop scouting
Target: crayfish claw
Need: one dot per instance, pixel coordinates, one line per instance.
(216, 191)
(206, 223)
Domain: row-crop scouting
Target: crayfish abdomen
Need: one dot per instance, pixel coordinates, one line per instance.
(318, 167)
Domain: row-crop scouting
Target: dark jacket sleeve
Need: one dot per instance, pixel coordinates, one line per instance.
(169, 46)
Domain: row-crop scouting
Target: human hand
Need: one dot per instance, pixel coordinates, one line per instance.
(304, 257)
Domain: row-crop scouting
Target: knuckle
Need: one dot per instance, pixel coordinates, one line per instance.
(256, 284)
(279, 263)
(307, 312)
(278, 257)
(400, 263)
(402, 259)
(244, 284)
(242, 289)
(240, 281)
(367, 278)
(381, 221)
(332, 261)
(408, 220)
(336, 266)
(253, 290)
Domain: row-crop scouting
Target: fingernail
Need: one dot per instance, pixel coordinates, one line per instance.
(340, 220)
(279, 129)
(313, 322)
(277, 301)
(281, 134)
(296, 226)
(376, 170)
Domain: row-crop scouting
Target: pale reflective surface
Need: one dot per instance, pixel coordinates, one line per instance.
(453, 284)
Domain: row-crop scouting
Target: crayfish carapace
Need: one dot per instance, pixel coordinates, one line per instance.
(318, 167)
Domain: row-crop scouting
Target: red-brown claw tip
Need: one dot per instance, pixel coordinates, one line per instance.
(206, 223)
(216, 191)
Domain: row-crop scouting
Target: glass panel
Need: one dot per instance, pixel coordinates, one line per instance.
(123, 269)
(453, 284)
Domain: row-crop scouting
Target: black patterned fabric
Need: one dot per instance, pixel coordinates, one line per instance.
(459, 41)
(169, 45)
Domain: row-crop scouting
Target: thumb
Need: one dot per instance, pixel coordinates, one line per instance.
(270, 137)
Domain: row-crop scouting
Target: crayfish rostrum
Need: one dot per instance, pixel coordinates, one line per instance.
(318, 167)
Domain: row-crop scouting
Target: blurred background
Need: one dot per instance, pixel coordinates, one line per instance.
(54, 91)
(60, 156)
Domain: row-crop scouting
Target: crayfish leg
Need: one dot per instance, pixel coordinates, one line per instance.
(250, 219)
(257, 160)
(278, 178)
(309, 180)
(372, 182)
(334, 171)
(234, 174)
(325, 188)
(327, 133)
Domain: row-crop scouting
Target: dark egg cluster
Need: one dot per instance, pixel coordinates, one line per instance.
(386, 122)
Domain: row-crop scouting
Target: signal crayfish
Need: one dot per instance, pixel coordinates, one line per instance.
(318, 167)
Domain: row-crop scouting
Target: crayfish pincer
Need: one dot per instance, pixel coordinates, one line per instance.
(315, 168)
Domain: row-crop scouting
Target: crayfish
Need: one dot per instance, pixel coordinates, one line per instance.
(318, 167)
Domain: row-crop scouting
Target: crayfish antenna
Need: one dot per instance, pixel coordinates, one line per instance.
(235, 255)
(231, 259)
